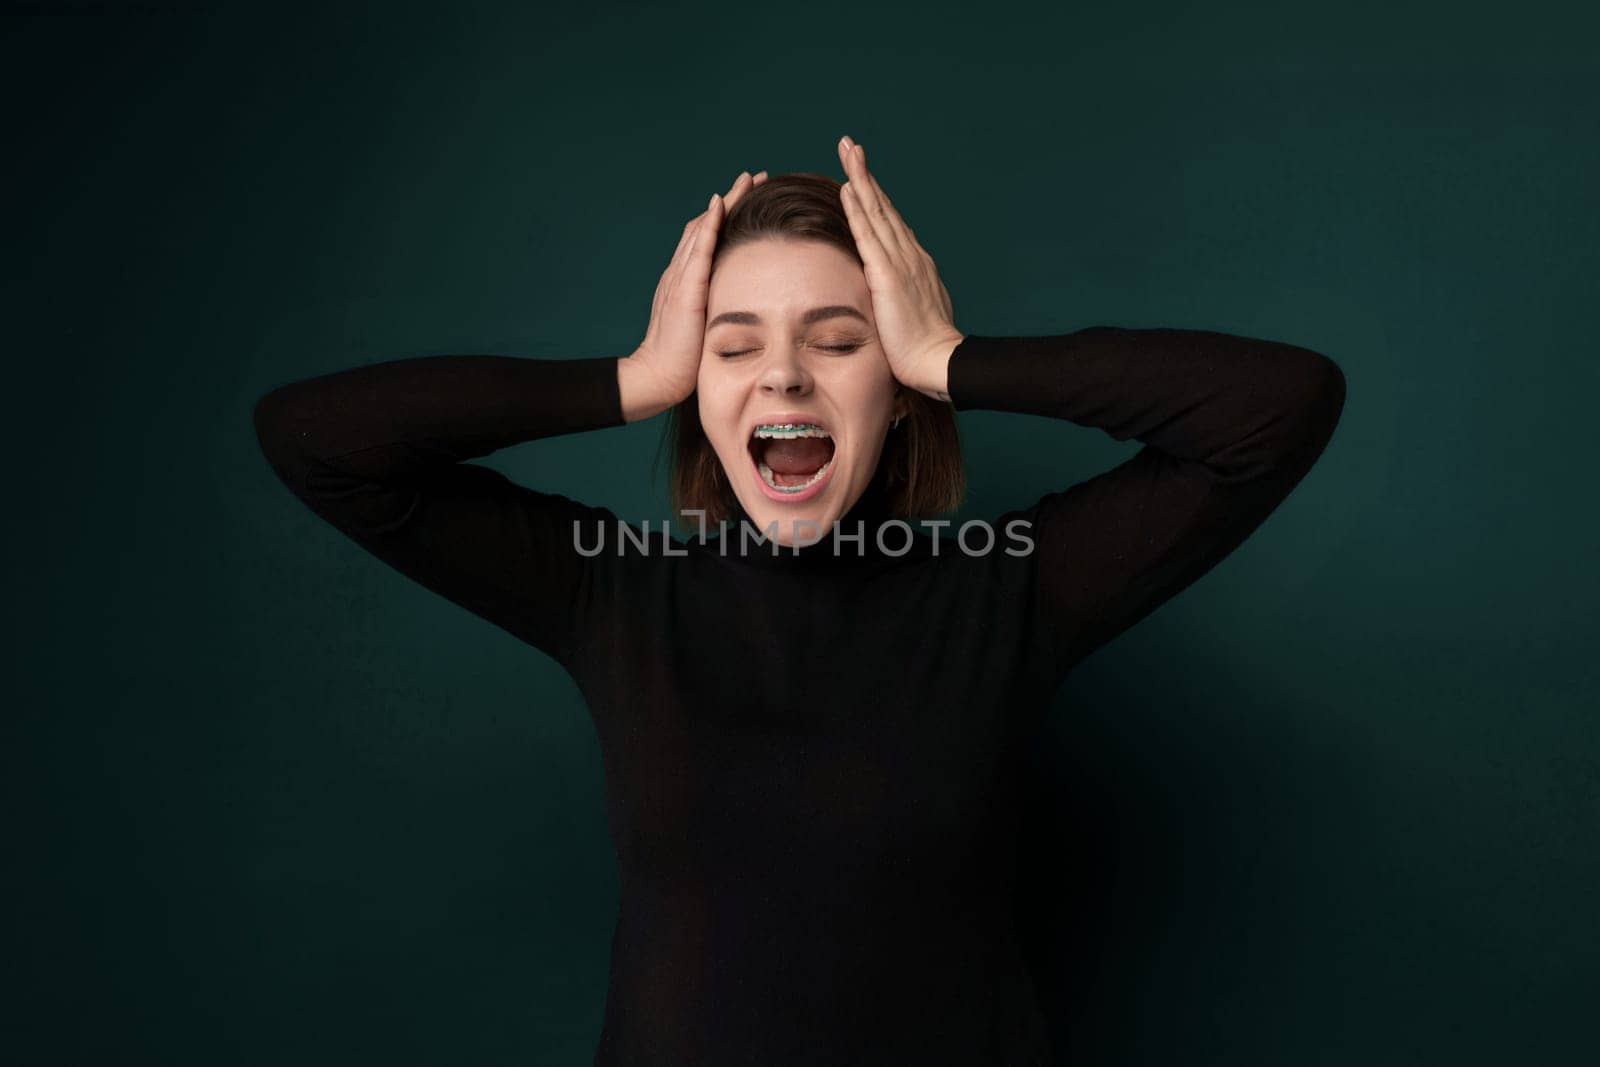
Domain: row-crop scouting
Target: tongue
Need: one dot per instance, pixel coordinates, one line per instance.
(800, 455)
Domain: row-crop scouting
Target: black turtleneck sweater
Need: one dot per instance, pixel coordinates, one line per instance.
(810, 758)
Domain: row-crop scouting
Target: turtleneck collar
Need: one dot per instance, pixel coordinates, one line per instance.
(866, 516)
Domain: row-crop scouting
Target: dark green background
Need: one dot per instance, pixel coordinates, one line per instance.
(271, 804)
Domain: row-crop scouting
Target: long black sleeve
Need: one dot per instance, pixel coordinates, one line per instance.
(378, 452)
(1229, 426)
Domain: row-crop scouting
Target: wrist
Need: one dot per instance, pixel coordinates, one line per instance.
(644, 393)
(931, 373)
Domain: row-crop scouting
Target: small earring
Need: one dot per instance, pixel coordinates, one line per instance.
(895, 425)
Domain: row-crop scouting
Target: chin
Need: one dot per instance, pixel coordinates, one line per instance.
(822, 510)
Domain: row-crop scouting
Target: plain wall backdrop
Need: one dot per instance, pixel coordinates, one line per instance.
(270, 803)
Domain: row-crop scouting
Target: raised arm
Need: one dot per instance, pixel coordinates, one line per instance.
(378, 451)
(1229, 426)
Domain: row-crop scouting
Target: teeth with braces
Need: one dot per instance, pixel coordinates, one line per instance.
(790, 431)
(766, 476)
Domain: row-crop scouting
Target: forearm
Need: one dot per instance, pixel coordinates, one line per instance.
(1230, 425)
(377, 451)
(1238, 404)
(388, 420)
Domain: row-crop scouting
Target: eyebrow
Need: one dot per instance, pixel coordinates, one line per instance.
(750, 318)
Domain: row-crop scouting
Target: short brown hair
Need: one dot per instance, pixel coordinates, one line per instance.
(921, 463)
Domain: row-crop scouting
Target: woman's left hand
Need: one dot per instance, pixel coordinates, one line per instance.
(911, 305)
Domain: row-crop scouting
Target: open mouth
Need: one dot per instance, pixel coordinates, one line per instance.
(791, 456)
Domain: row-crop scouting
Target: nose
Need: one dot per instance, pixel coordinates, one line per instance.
(784, 373)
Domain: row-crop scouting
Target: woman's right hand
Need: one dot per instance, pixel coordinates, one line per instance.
(667, 361)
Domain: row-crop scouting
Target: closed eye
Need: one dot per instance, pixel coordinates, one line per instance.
(841, 349)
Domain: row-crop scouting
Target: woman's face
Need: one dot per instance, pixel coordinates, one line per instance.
(790, 341)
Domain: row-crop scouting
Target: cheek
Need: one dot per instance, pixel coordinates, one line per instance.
(716, 381)
(716, 417)
(866, 391)
(707, 391)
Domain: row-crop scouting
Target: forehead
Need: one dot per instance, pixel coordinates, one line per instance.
(785, 276)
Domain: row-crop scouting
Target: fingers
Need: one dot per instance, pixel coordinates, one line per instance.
(886, 223)
(694, 236)
(861, 228)
(898, 226)
(741, 185)
(693, 281)
(861, 199)
(695, 260)
(680, 257)
(675, 264)
(705, 234)
(683, 240)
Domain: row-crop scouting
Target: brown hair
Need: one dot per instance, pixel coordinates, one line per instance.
(921, 464)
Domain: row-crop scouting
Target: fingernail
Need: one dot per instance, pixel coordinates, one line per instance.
(712, 202)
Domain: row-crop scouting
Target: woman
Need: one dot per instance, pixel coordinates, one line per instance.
(810, 754)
